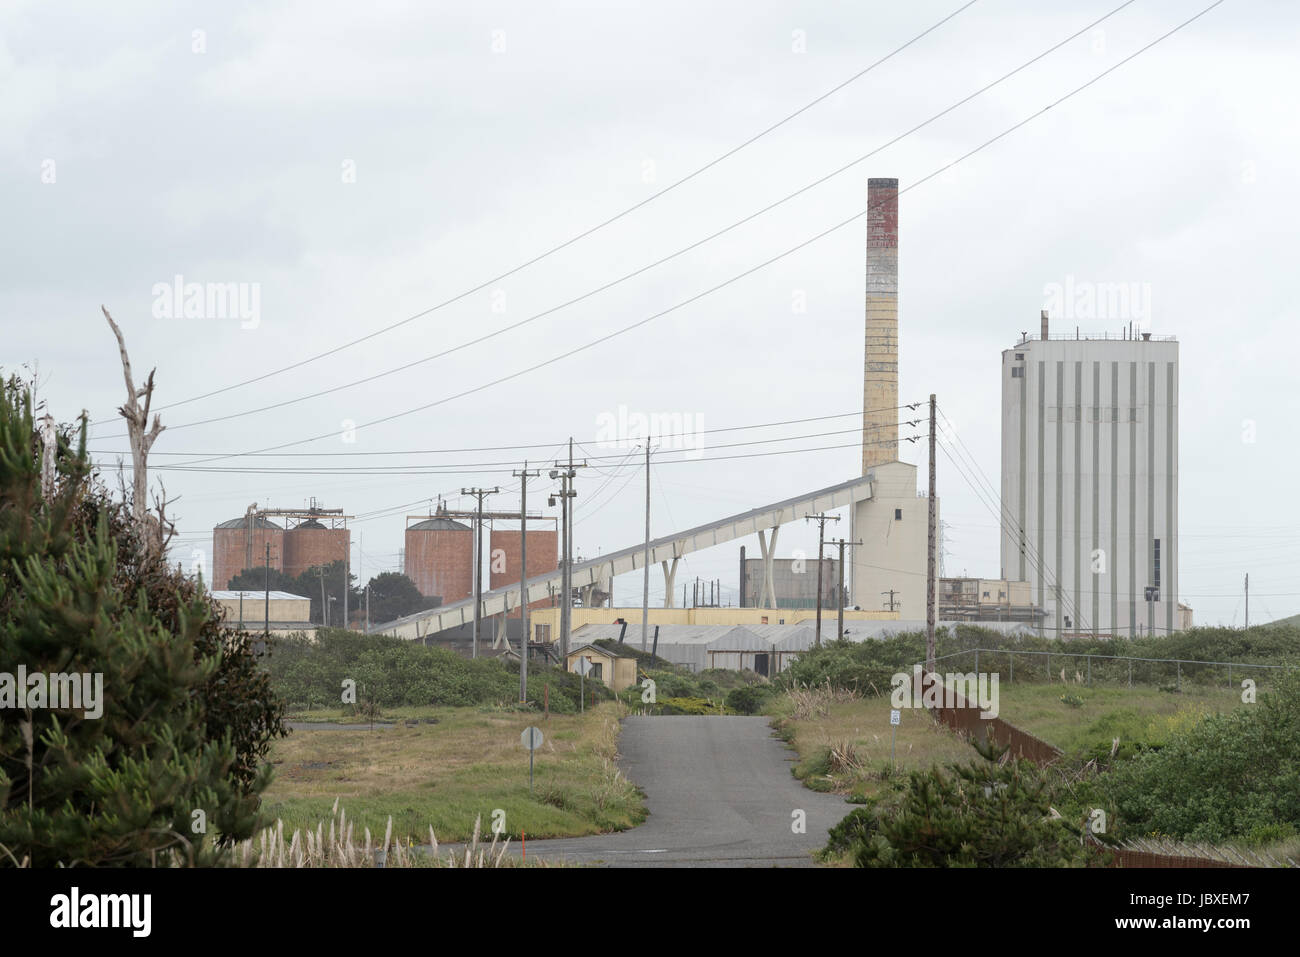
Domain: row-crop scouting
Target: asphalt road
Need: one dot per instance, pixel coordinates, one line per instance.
(720, 794)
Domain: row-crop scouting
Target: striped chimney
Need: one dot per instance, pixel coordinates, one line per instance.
(880, 369)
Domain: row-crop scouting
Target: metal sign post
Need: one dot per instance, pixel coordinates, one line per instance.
(895, 717)
(532, 740)
(582, 667)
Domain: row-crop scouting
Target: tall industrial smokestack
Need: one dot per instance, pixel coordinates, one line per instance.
(1043, 316)
(880, 369)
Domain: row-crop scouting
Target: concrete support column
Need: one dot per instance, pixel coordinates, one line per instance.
(670, 574)
(768, 548)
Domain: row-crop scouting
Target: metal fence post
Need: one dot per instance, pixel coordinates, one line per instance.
(1229, 674)
(1180, 676)
(1130, 672)
(1090, 671)
(977, 661)
(1049, 667)
(1011, 657)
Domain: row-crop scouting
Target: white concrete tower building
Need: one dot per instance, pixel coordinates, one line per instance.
(1090, 480)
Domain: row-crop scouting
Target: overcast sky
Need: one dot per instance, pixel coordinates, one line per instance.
(352, 165)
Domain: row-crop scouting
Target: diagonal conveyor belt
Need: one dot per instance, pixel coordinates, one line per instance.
(630, 559)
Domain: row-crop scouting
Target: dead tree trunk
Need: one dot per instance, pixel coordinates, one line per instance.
(142, 438)
(50, 443)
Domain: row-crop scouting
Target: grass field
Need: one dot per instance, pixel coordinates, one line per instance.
(1144, 715)
(467, 763)
(847, 749)
(391, 715)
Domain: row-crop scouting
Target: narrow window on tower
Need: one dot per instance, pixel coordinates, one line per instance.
(898, 514)
(1017, 372)
(1157, 564)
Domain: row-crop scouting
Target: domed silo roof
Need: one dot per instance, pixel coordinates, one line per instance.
(438, 524)
(242, 522)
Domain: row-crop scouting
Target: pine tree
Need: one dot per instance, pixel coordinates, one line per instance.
(171, 771)
(989, 813)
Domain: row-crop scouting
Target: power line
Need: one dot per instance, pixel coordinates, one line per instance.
(582, 235)
(458, 467)
(511, 448)
(659, 262)
(1008, 528)
(1035, 559)
(762, 265)
(488, 471)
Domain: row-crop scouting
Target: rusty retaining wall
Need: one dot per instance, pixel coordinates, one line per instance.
(965, 719)
(1128, 857)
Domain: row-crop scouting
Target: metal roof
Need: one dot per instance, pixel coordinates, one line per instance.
(611, 652)
(741, 636)
(258, 595)
(242, 522)
(438, 525)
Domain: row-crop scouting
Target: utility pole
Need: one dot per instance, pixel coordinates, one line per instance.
(523, 477)
(268, 591)
(821, 520)
(367, 607)
(839, 597)
(566, 471)
(1248, 601)
(645, 560)
(324, 604)
(891, 593)
(479, 494)
(931, 533)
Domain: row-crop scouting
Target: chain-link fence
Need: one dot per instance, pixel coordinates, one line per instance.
(1110, 670)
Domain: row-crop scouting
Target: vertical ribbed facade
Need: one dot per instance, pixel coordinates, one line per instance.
(1090, 482)
(880, 368)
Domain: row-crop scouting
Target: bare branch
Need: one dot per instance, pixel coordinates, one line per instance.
(126, 361)
(153, 533)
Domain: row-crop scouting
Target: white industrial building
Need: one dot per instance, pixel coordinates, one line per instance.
(1090, 481)
(889, 566)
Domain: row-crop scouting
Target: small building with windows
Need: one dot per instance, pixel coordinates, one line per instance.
(614, 668)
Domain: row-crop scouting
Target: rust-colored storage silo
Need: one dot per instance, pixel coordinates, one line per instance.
(311, 543)
(504, 563)
(241, 543)
(440, 558)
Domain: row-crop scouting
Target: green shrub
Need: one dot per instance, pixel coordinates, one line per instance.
(690, 705)
(982, 814)
(1225, 777)
(187, 715)
(858, 827)
(748, 699)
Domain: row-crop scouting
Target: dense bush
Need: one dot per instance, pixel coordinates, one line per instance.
(387, 670)
(868, 666)
(187, 714)
(1227, 776)
(393, 672)
(749, 699)
(983, 814)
